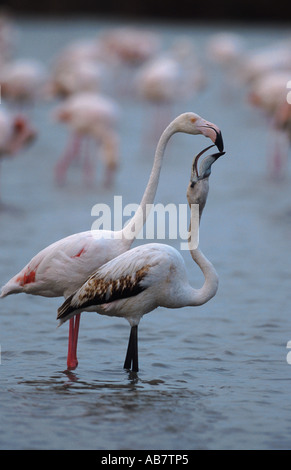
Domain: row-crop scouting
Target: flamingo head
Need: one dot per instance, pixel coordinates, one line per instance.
(23, 134)
(199, 181)
(192, 123)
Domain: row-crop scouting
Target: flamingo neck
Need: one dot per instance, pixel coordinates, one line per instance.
(210, 286)
(132, 229)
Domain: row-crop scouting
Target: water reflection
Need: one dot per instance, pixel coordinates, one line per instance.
(124, 381)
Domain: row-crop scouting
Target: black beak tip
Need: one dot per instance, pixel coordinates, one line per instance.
(219, 142)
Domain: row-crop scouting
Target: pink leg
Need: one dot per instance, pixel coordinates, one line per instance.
(109, 177)
(88, 167)
(279, 155)
(71, 153)
(72, 361)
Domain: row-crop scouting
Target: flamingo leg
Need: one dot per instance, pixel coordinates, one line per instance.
(71, 154)
(72, 361)
(279, 157)
(109, 176)
(131, 359)
(88, 167)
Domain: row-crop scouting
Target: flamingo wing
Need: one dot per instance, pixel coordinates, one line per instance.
(125, 276)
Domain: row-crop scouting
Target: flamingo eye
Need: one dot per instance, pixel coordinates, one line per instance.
(193, 119)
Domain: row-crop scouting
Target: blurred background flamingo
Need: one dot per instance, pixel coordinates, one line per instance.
(16, 133)
(91, 119)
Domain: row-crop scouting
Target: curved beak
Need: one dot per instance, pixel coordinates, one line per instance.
(208, 129)
(205, 166)
(219, 142)
(194, 171)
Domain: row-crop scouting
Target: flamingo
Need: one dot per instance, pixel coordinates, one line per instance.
(226, 50)
(157, 84)
(258, 64)
(148, 276)
(74, 77)
(61, 268)
(16, 132)
(93, 117)
(171, 77)
(78, 67)
(130, 45)
(22, 81)
(127, 48)
(82, 65)
(268, 93)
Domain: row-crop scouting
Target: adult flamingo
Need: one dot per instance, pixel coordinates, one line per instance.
(61, 268)
(22, 82)
(268, 93)
(148, 276)
(92, 117)
(16, 133)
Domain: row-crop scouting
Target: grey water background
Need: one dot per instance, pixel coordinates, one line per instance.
(213, 377)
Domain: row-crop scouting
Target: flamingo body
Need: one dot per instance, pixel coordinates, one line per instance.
(79, 254)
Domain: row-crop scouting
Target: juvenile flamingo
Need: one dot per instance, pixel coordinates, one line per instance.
(148, 276)
(61, 268)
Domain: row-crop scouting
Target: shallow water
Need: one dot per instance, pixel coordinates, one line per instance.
(214, 377)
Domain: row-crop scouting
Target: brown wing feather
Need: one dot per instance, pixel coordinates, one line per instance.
(97, 291)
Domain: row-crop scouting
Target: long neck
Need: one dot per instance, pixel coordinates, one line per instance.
(210, 285)
(132, 229)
